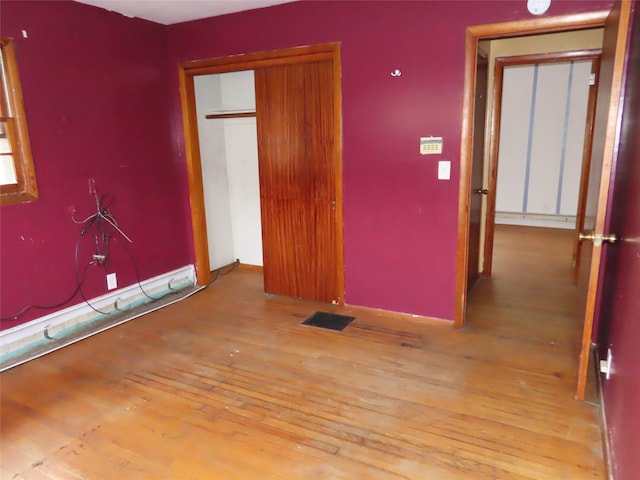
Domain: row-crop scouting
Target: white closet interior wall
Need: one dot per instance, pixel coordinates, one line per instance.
(229, 156)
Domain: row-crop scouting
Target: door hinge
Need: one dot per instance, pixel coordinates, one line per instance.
(592, 79)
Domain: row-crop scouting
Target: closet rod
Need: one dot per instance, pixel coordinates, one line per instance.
(230, 115)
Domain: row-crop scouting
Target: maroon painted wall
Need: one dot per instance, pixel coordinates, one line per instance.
(400, 222)
(101, 98)
(96, 96)
(619, 322)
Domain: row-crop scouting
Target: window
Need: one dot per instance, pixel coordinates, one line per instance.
(17, 176)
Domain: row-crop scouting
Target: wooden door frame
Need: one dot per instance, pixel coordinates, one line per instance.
(252, 61)
(586, 169)
(607, 143)
(477, 167)
(494, 137)
(473, 35)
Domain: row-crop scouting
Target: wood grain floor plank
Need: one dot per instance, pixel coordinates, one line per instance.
(228, 384)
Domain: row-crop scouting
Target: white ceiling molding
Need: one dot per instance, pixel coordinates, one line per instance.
(168, 12)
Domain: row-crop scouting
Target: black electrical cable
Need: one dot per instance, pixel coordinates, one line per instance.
(102, 225)
(222, 271)
(79, 283)
(93, 262)
(135, 267)
(101, 237)
(101, 243)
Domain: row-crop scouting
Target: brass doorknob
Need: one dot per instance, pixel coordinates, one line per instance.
(481, 191)
(597, 238)
(586, 236)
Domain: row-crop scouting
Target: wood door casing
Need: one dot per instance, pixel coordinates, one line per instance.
(475, 202)
(605, 136)
(472, 36)
(586, 167)
(494, 140)
(254, 61)
(298, 191)
(618, 328)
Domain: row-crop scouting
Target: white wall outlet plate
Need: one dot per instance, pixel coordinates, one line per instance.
(112, 281)
(606, 366)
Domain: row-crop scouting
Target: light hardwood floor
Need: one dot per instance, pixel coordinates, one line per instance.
(228, 385)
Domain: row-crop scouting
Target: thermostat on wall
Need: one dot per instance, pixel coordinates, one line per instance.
(430, 145)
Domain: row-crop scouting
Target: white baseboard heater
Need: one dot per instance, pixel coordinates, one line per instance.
(536, 220)
(48, 333)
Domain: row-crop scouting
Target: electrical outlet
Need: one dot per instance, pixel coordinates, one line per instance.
(112, 281)
(606, 366)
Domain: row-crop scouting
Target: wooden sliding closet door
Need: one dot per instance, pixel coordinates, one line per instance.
(298, 175)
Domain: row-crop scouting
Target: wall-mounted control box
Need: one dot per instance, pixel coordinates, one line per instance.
(430, 145)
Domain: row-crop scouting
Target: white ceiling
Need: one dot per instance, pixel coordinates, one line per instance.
(167, 12)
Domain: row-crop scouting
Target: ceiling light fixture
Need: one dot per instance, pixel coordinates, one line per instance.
(538, 7)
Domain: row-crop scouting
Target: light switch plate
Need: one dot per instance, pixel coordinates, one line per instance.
(444, 170)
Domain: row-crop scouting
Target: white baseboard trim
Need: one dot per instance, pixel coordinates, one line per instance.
(535, 220)
(57, 324)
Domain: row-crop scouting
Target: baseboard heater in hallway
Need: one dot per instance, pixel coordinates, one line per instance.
(330, 321)
(535, 220)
